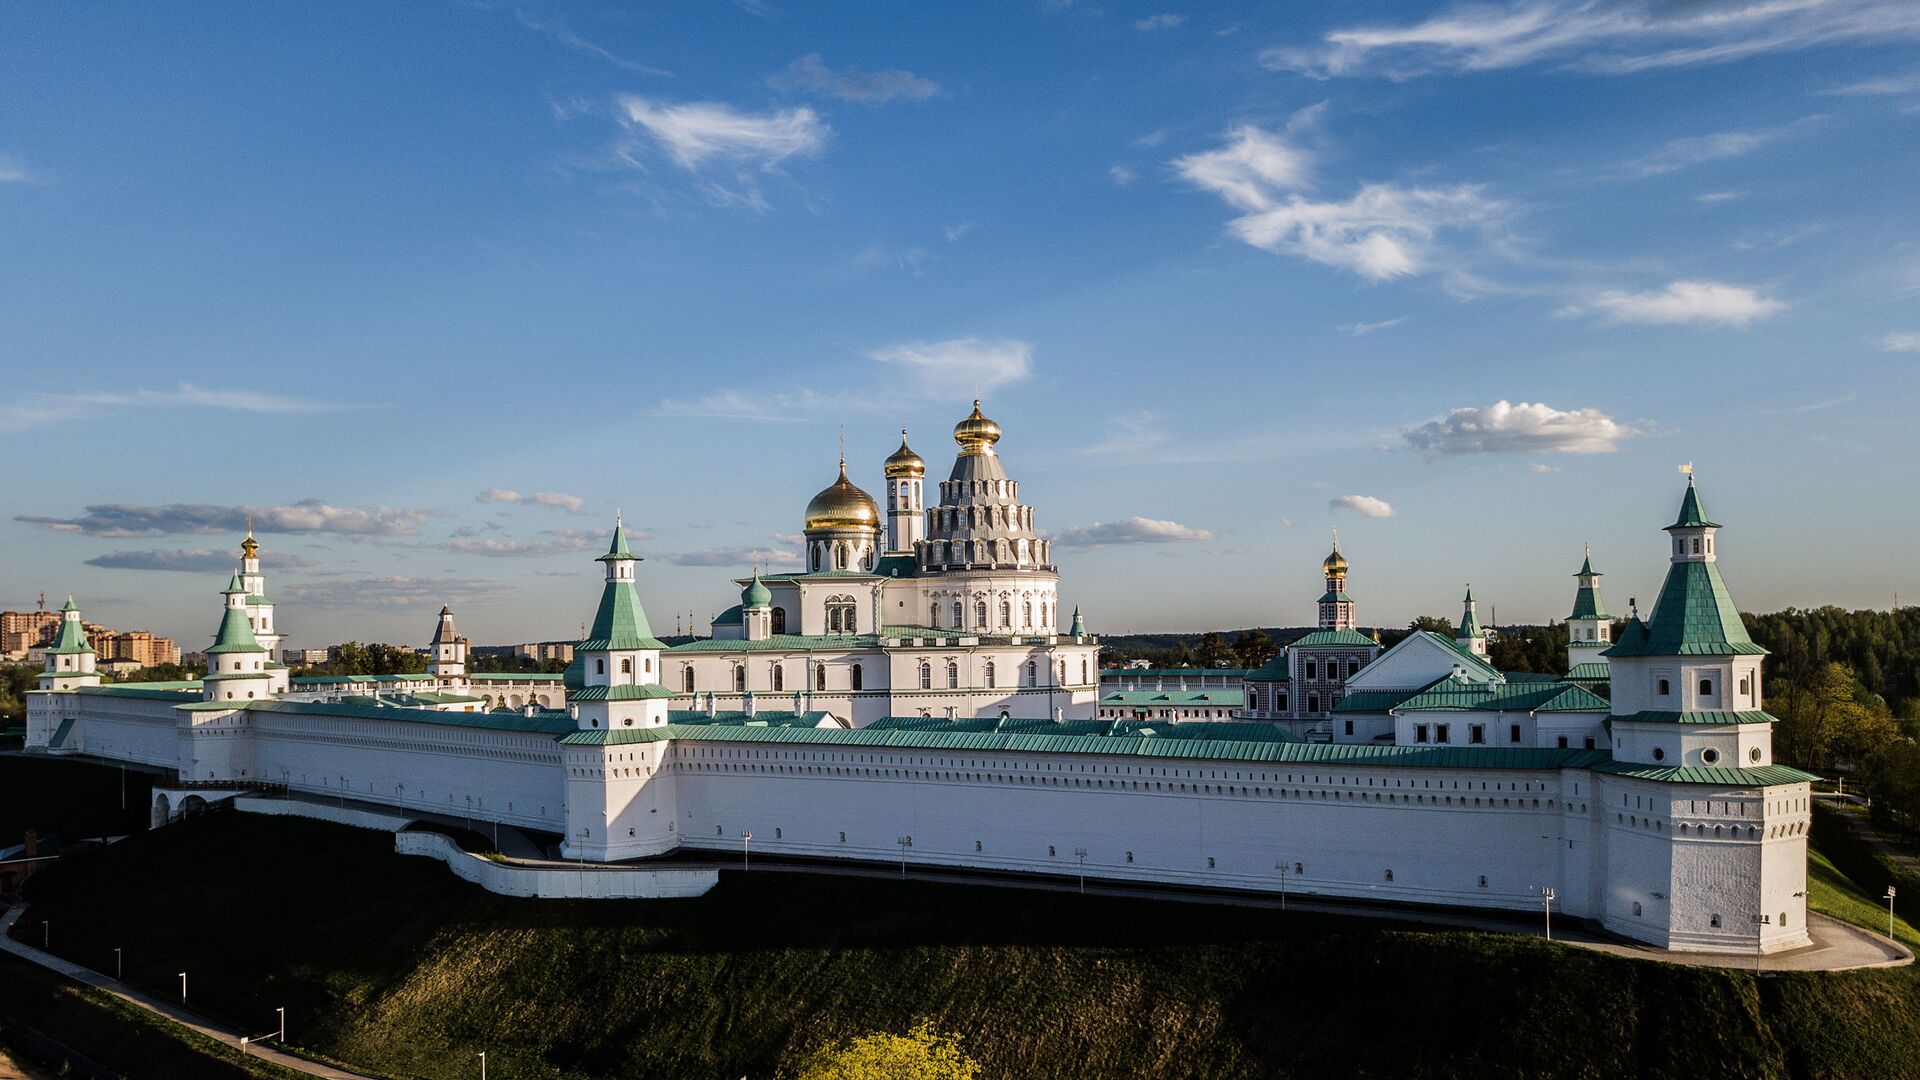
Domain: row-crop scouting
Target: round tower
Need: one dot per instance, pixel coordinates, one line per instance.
(70, 661)
(906, 477)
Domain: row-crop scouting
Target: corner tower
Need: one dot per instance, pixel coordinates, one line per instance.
(237, 662)
(620, 658)
(449, 649)
(1588, 628)
(1470, 637)
(71, 658)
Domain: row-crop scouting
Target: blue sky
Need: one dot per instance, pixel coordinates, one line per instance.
(434, 289)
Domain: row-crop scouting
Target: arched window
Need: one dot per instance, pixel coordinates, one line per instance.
(626, 665)
(1033, 673)
(1083, 670)
(779, 677)
(1696, 545)
(1665, 688)
(599, 665)
(980, 615)
(1706, 686)
(953, 675)
(989, 674)
(686, 679)
(1063, 672)
(816, 558)
(959, 615)
(856, 677)
(933, 615)
(840, 556)
(779, 620)
(926, 675)
(1006, 613)
(1026, 613)
(739, 676)
(820, 676)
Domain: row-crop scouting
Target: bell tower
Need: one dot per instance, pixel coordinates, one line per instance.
(1336, 607)
(1470, 637)
(906, 513)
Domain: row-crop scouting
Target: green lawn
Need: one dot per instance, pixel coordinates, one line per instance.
(122, 1037)
(395, 964)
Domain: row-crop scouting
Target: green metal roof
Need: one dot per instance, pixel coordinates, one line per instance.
(1587, 605)
(1592, 671)
(1586, 567)
(541, 723)
(60, 733)
(1224, 698)
(1469, 620)
(899, 565)
(233, 585)
(733, 616)
(506, 676)
(1764, 776)
(327, 680)
(1698, 716)
(231, 676)
(1168, 672)
(1695, 616)
(1274, 670)
(175, 692)
(618, 550)
(236, 634)
(1322, 638)
(760, 718)
(620, 622)
(256, 598)
(755, 595)
(1455, 695)
(1336, 598)
(642, 692)
(73, 637)
(1079, 628)
(1373, 701)
(1691, 515)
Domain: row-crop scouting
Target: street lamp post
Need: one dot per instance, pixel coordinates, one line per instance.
(282, 1036)
(46, 934)
(183, 988)
(1889, 899)
(1080, 853)
(1760, 924)
(745, 839)
(118, 970)
(1282, 867)
(1547, 896)
(905, 842)
(483, 1065)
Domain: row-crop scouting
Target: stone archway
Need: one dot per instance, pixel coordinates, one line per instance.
(162, 810)
(192, 807)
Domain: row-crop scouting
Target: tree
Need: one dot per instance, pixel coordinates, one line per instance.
(1254, 648)
(1433, 624)
(921, 1054)
(1214, 650)
(1831, 717)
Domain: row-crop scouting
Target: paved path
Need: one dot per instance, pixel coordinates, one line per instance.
(177, 1013)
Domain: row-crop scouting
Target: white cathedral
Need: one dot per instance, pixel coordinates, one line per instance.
(910, 694)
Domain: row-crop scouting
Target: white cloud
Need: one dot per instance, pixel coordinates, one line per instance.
(11, 171)
(1120, 175)
(1904, 83)
(1708, 303)
(1130, 434)
(958, 232)
(1543, 469)
(1383, 232)
(1693, 150)
(1133, 530)
(698, 132)
(1162, 21)
(572, 504)
(564, 541)
(33, 410)
(950, 369)
(558, 32)
(735, 556)
(307, 516)
(189, 560)
(810, 74)
(1361, 329)
(1717, 196)
(394, 592)
(1901, 341)
(1250, 169)
(1519, 427)
(1615, 37)
(778, 407)
(1364, 505)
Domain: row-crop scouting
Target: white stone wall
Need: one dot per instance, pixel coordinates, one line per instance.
(588, 883)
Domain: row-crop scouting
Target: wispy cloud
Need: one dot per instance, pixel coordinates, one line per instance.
(1718, 196)
(735, 556)
(1384, 231)
(34, 410)
(698, 132)
(1706, 303)
(189, 560)
(810, 74)
(572, 504)
(958, 231)
(11, 171)
(1162, 21)
(557, 31)
(1823, 406)
(395, 592)
(1133, 530)
(1678, 154)
(1543, 468)
(1901, 341)
(1599, 36)
(1361, 329)
(951, 368)
(1129, 434)
(307, 516)
(781, 407)
(1903, 83)
(1519, 427)
(561, 542)
(1120, 175)
(1364, 505)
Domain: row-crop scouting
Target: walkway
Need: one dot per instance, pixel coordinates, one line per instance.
(172, 1011)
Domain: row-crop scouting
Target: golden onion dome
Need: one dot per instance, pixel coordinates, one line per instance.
(843, 506)
(976, 434)
(1335, 564)
(904, 462)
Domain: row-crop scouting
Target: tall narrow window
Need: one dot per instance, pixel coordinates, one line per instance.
(779, 677)
(959, 615)
(626, 665)
(1083, 670)
(953, 675)
(686, 679)
(980, 615)
(926, 676)
(1026, 613)
(820, 676)
(990, 679)
(1006, 613)
(856, 677)
(933, 615)
(739, 676)
(1033, 673)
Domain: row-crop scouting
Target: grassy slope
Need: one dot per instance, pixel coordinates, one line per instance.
(395, 964)
(121, 1037)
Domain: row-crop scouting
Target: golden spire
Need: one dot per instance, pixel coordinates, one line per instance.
(250, 548)
(976, 434)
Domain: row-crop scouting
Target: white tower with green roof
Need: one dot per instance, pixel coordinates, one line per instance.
(620, 658)
(70, 660)
(756, 609)
(1470, 637)
(1336, 607)
(1589, 629)
(449, 660)
(237, 664)
(259, 607)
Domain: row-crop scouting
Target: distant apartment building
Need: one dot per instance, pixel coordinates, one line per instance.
(143, 647)
(304, 657)
(24, 630)
(545, 650)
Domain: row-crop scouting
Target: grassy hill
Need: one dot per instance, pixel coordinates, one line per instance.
(395, 965)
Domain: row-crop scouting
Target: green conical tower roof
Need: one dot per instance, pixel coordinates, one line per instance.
(1691, 515)
(1586, 601)
(236, 634)
(73, 636)
(1079, 625)
(1469, 622)
(618, 551)
(233, 586)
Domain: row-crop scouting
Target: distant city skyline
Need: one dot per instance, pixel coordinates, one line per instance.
(433, 292)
